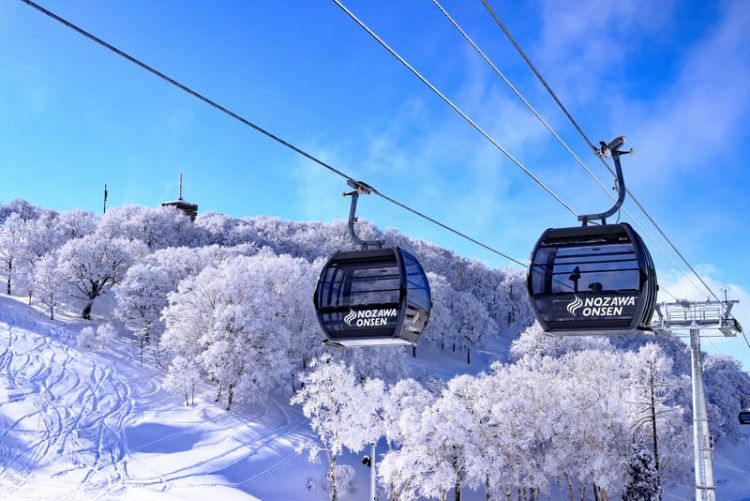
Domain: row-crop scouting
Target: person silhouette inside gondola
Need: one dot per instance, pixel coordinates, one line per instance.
(575, 277)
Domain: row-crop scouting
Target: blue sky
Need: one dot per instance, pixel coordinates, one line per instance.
(672, 76)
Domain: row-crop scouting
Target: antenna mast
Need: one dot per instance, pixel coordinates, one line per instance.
(104, 211)
(180, 197)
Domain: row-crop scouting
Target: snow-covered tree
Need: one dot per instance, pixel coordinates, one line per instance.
(231, 318)
(91, 265)
(726, 385)
(87, 338)
(41, 236)
(158, 228)
(105, 334)
(182, 375)
(23, 209)
(642, 477)
(47, 283)
(471, 322)
(75, 224)
(533, 342)
(436, 446)
(342, 410)
(655, 414)
(299, 315)
(11, 248)
(439, 328)
(143, 292)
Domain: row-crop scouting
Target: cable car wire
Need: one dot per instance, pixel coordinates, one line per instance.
(262, 130)
(424, 80)
(273, 136)
(552, 131)
(455, 108)
(585, 137)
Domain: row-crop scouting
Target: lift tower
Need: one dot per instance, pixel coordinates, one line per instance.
(689, 319)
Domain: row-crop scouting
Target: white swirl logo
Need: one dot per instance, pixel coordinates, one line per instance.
(350, 317)
(575, 305)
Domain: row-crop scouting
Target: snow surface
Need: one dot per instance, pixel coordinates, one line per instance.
(78, 424)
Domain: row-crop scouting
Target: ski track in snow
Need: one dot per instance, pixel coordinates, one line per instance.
(65, 412)
(79, 420)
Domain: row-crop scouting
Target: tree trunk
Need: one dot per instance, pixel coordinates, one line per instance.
(456, 470)
(571, 493)
(583, 491)
(442, 344)
(218, 393)
(596, 493)
(414, 351)
(653, 430)
(51, 312)
(86, 313)
(454, 346)
(230, 395)
(468, 356)
(10, 271)
(487, 488)
(29, 298)
(332, 478)
(193, 394)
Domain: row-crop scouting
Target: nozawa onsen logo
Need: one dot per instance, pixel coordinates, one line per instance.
(574, 305)
(600, 306)
(369, 318)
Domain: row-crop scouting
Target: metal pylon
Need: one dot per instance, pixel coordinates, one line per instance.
(695, 317)
(705, 488)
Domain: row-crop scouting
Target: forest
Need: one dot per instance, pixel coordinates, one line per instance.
(228, 301)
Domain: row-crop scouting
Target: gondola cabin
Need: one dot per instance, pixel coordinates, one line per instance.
(745, 416)
(373, 297)
(592, 280)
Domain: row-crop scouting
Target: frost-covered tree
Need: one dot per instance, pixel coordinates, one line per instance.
(105, 334)
(91, 265)
(533, 342)
(75, 224)
(299, 315)
(143, 292)
(87, 338)
(23, 209)
(652, 387)
(594, 416)
(158, 228)
(47, 283)
(388, 363)
(182, 375)
(726, 385)
(230, 317)
(141, 296)
(41, 236)
(439, 328)
(471, 322)
(342, 411)
(642, 477)
(11, 248)
(436, 445)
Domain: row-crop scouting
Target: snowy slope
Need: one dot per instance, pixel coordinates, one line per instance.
(77, 424)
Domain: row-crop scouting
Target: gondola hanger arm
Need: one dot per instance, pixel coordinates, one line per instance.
(611, 149)
(363, 189)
